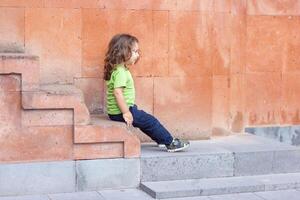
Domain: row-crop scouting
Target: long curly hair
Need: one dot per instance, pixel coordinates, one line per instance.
(119, 51)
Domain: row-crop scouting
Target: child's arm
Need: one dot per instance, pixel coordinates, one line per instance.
(118, 92)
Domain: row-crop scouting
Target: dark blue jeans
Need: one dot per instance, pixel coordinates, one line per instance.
(148, 124)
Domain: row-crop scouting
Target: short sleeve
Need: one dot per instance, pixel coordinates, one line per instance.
(120, 78)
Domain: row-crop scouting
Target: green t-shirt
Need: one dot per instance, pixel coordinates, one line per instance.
(120, 77)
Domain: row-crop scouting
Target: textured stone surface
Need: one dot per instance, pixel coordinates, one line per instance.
(292, 60)
(58, 44)
(287, 161)
(186, 166)
(250, 163)
(198, 187)
(37, 178)
(76, 196)
(286, 134)
(240, 196)
(220, 106)
(128, 194)
(12, 29)
(56, 178)
(107, 173)
(187, 57)
(263, 108)
(25, 65)
(10, 83)
(47, 117)
(98, 150)
(277, 195)
(191, 198)
(57, 96)
(125, 194)
(26, 197)
(41, 143)
(144, 100)
(269, 7)
(239, 155)
(93, 91)
(10, 112)
(180, 106)
(236, 103)
(272, 32)
(201, 160)
(218, 186)
(290, 109)
(104, 131)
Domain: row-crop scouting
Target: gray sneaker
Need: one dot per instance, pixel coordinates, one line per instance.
(177, 145)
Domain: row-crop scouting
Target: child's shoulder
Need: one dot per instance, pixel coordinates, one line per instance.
(120, 68)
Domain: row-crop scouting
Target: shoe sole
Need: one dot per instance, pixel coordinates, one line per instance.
(179, 149)
(161, 146)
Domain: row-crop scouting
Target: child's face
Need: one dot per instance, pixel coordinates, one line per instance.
(134, 54)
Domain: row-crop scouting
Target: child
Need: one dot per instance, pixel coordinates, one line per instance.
(122, 54)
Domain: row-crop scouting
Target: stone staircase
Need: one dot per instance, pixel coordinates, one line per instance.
(232, 164)
(94, 137)
(49, 141)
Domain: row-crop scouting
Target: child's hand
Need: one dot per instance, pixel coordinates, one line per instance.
(128, 118)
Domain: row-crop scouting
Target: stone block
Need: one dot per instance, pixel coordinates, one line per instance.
(98, 150)
(269, 7)
(186, 167)
(58, 44)
(107, 173)
(271, 32)
(262, 98)
(12, 30)
(184, 108)
(253, 163)
(37, 178)
(41, 143)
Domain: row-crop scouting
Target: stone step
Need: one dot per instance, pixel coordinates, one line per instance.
(104, 138)
(236, 155)
(58, 96)
(22, 64)
(51, 105)
(219, 186)
(101, 129)
(103, 120)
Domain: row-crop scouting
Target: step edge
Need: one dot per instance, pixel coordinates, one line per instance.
(258, 185)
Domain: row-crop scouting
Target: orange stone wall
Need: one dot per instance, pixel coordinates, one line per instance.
(207, 67)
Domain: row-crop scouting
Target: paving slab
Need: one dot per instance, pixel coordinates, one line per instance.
(26, 197)
(191, 198)
(77, 196)
(219, 186)
(241, 196)
(280, 195)
(125, 194)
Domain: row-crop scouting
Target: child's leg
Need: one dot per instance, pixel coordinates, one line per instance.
(118, 118)
(153, 128)
(150, 126)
